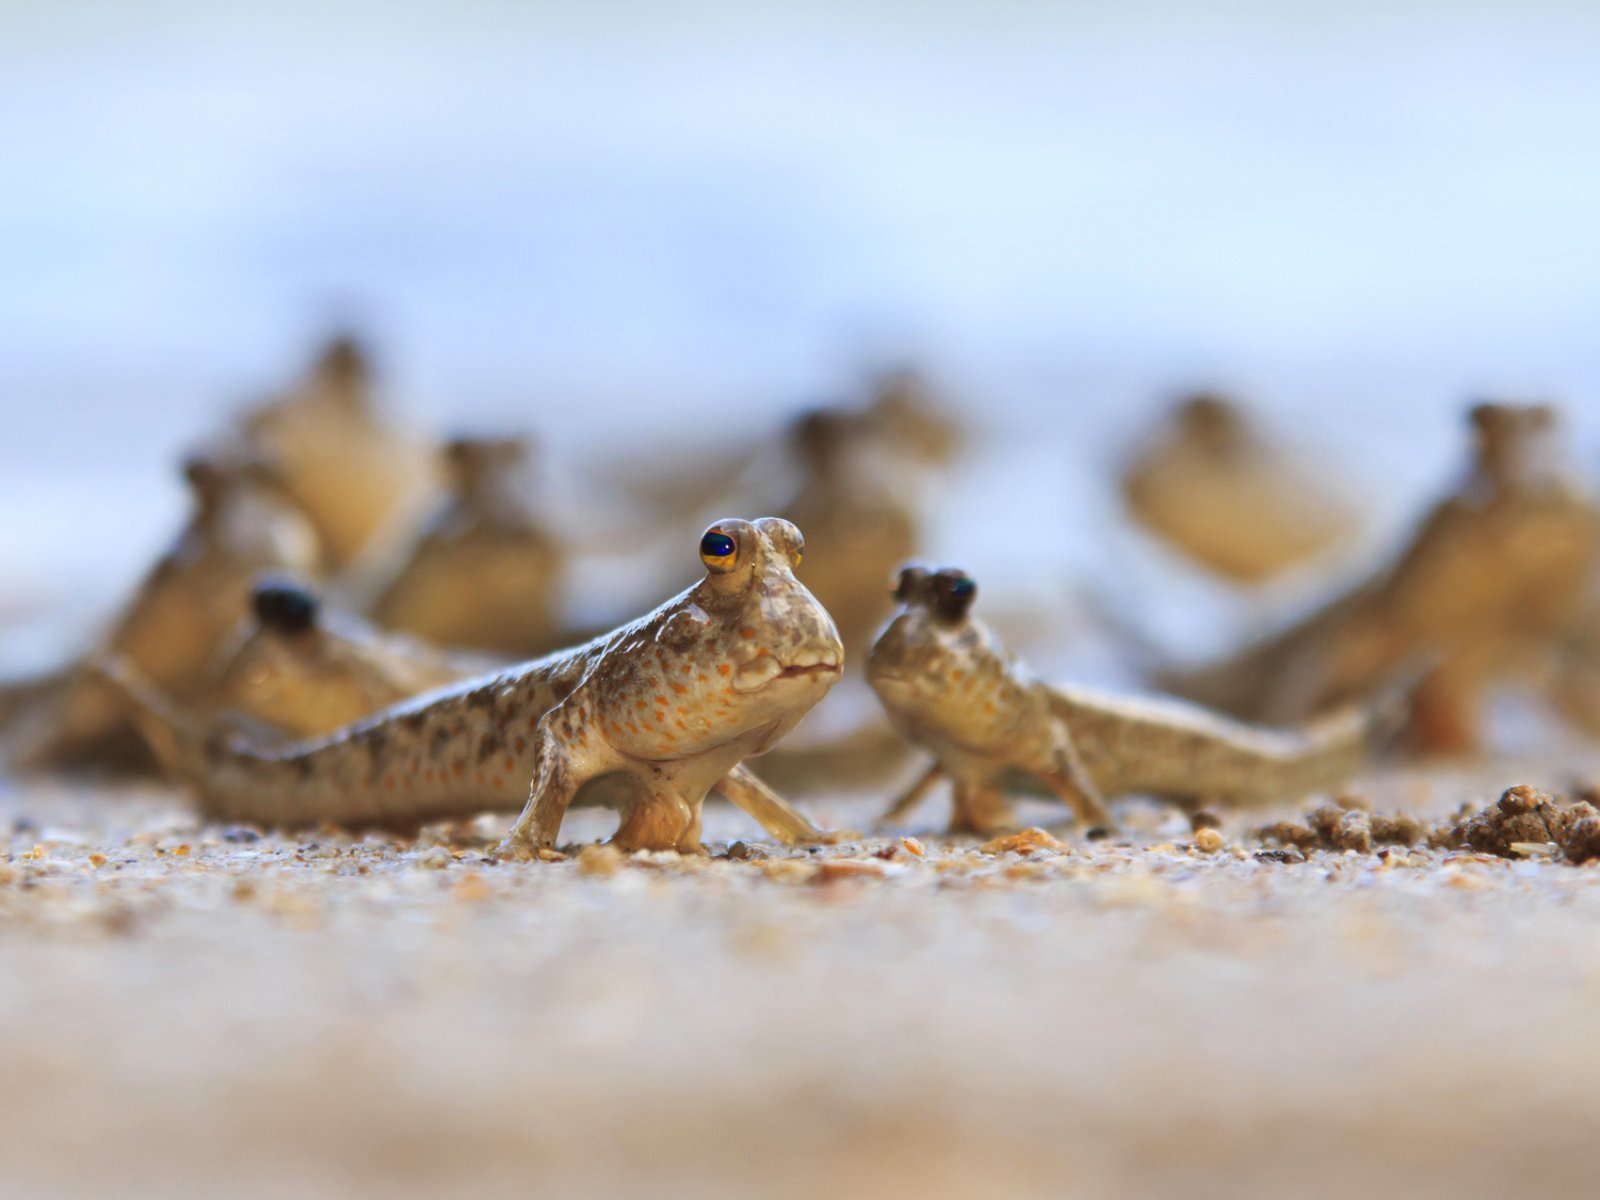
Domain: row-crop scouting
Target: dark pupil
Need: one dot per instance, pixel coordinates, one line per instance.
(716, 545)
(961, 589)
(285, 607)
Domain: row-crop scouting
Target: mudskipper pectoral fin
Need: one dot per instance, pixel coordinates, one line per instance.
(776, 815)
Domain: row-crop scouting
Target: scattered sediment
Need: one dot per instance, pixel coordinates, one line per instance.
(1523, 823)
(1345, 825)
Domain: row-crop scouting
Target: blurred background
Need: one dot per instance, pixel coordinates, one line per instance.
(649, 235)
(617, 226)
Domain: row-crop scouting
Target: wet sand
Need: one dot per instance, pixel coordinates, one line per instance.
(322, 1015)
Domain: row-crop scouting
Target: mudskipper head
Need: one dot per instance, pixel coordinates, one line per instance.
(821, 440)
(1212, 420)
(297, 670)
(906, 416)
(742, 654)
(473, 462)
(224, 473)
(1516, 446)
(776, 632)
(931, 639)
(343, 371)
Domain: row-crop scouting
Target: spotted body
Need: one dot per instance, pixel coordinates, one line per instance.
(952, 689)
(654, 715)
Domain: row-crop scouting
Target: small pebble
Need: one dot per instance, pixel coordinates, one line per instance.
(600, 859)
(1207, 840)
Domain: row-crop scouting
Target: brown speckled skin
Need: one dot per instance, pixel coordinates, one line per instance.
(950, 688)
(1495, 577)
(659, 711)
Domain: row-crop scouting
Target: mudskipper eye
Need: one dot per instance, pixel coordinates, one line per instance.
(718, 550)
(799, 550)
(284, 606)
(955, 594)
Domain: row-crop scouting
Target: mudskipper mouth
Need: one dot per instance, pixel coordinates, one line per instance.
(766, 670)
(803, 672)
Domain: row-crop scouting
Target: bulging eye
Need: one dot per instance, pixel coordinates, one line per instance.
(799, 550)
(718, 550)
(955, 594)
(283, 605)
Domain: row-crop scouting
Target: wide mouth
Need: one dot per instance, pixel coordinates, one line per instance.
(812, 669)
(757, 678)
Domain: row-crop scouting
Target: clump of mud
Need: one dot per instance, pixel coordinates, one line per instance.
(1523, 821)
(1345, 825)
(1524, 818)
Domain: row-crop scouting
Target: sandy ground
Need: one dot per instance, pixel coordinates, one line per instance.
(187, 1014)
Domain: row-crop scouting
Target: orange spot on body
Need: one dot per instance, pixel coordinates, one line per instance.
(724, 669)
(520, 745)
(679, 688)
(511, 764)
(747, 632)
